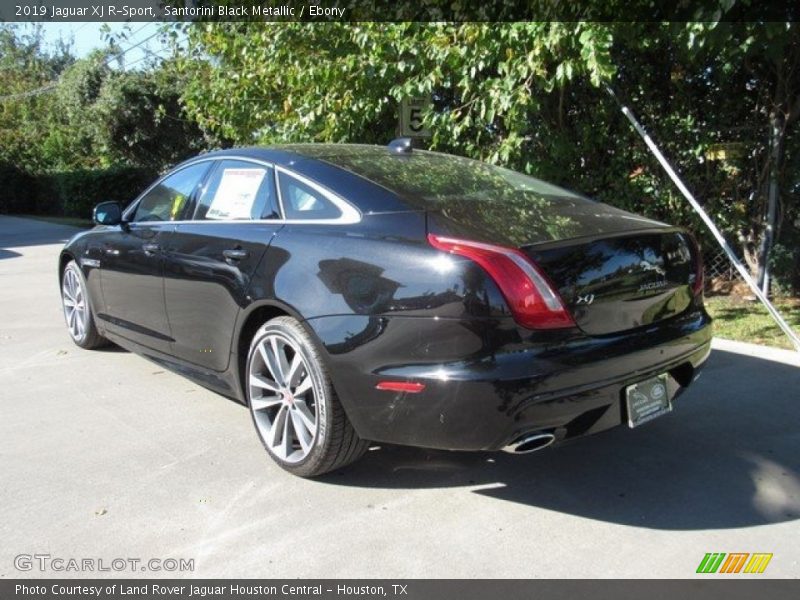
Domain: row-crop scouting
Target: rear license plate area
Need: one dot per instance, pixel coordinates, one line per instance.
(647, 400)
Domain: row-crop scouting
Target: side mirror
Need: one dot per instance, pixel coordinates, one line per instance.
(107, 213)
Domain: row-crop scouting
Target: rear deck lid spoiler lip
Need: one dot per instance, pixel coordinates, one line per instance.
(658, 229)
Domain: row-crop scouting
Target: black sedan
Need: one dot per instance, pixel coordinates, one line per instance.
(351, 294)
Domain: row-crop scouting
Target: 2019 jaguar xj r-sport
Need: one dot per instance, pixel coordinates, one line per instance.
(351, 294)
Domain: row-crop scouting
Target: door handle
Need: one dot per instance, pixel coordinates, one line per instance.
(234, 254)
(151, 248)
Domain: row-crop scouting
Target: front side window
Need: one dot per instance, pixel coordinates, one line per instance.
(167, 200)
(237, 190)
(303, 202)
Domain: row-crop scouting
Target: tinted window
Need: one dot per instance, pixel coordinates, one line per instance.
(167, 201)
(301, 201)
(239, 189)
(499, 203)
(438, 179)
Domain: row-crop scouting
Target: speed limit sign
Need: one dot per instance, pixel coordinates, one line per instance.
(411, 111)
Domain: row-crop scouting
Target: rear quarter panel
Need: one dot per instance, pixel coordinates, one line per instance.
(384, 266)
(377, 294)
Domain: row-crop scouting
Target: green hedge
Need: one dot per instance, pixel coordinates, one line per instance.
(69, 193)
(17, 189)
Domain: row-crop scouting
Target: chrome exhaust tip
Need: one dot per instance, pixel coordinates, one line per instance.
(530, 442)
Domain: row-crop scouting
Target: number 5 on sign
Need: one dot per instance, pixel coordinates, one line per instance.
(411, 111)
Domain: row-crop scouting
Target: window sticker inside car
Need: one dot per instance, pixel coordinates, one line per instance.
(236, 194)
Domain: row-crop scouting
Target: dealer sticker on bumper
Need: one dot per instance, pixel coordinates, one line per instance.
(647, 400)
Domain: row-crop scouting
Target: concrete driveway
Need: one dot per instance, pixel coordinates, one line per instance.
(105, 455)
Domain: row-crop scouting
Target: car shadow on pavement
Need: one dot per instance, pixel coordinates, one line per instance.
(728, 456)
(110, 347)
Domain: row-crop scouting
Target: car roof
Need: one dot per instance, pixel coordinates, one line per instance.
(380, 179)
(288, 154)
(313, 161)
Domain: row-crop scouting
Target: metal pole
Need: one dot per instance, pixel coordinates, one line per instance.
(709, 223)
(772, 199)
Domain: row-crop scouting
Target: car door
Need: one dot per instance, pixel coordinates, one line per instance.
(210, 260)
(132, 262)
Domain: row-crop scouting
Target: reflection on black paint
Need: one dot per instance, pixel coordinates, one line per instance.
(632, 280)
(373, 328)
(360, 284)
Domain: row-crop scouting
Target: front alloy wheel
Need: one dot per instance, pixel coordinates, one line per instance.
(294, 407)
(78, 309)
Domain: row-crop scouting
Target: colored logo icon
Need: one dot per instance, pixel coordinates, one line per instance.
(734, 562)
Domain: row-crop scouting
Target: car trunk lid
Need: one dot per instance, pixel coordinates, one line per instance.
(620, 282)
(614, 270)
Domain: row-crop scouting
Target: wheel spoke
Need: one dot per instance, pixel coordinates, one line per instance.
(304, 436)
(304, 386)
(262, 350)
(277, 428)
(279, 352)
(79, 322)
(265, 402)
(294, 368)
(286, 444)
(271, 360)
(263, 383)
(304, 414)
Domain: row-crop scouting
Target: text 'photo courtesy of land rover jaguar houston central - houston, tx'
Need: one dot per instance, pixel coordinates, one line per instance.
(351, 294)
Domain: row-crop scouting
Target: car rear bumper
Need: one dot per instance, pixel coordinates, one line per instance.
(503, 388)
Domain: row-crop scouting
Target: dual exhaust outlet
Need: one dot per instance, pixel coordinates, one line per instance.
(530, 442)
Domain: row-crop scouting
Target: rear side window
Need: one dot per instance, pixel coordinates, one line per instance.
(239, 190)
(303, 202)
(167, 200)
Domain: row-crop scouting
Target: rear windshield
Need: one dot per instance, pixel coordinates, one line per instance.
(438, 181)
(493, 202)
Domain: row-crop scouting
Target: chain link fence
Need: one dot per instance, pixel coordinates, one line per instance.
(718, 266)
(721, 276)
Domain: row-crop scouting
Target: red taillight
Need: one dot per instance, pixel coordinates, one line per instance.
(699, 273)
(532, 299)
(400, 386)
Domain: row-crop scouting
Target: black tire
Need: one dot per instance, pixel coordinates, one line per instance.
(335, 443)
(89, 337)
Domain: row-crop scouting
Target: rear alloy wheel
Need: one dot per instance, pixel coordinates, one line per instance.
(78, 310)
(295, 410)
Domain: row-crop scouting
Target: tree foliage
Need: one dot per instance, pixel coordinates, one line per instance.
(139, 121)
(529, 96)
(60, 113)
(25, 65)
(338, 82)
(722, 100)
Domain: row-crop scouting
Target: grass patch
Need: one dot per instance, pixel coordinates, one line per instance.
(71, 221)
(738, 319)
